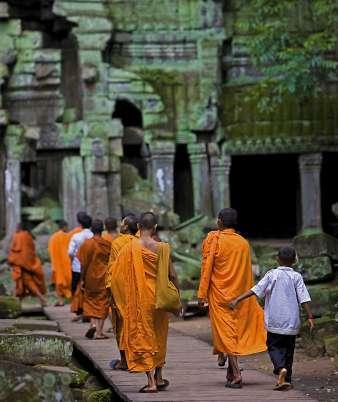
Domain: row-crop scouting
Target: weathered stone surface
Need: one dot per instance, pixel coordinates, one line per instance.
(36, 347)
(28, 384)
(103, 395)
(324, 298)
(36, 325)
(10, 307)
(316, 245)
(315, 269)
(78, 376)
(4, 11)
(331, 345)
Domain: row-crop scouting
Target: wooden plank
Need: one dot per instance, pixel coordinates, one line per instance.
(191, 369)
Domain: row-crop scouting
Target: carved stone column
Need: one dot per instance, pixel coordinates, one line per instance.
(73, 188)
(201, 178)
(220, 186)
(162, 169)
(12, 195)
(310, 168)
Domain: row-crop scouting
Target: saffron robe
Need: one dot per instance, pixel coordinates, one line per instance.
(94, 256)
(145, 330)
(226, 273)
(108, 236)
(27, 271)
(61, 265)
(116, 246)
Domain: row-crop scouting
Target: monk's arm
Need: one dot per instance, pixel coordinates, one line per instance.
(173, 275)
(238, 299)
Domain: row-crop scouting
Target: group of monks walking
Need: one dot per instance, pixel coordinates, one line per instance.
(106, 271)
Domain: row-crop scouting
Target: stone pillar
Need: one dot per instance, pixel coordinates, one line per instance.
(200, 178)
(12, 195)
(162, 168)
(73, 188)
(310, 167)
(220, 186)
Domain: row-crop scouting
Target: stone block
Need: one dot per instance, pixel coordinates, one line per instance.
(10, 307)
(37, 347)
(32, 133)
(90, 73)
(315, 269)
(29, 40)
(28, 384)
(316, 245)
(4, 117)
(78, 376)
(324, 297)
(11, 27)
(36, 325)
(102, 395)
(4, 10)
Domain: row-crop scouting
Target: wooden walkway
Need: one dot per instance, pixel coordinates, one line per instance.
(191, 370)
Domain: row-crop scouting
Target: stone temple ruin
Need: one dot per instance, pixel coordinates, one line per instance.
(115, 105)
(111, 103)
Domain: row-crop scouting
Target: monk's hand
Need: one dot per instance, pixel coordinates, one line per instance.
(233, 304)
(311, 322)
(203, 301)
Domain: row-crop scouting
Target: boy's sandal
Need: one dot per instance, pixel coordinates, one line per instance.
(282, 387)
(163, 386)
(90, 333)
(146, 390)
(235, 385)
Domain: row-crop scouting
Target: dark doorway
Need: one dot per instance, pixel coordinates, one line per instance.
(129, 114)
(135, 151)
(265, 191)
(183, 191)
(329, 190)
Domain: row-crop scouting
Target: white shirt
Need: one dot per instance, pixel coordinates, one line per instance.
(74, 245)
(284, 291)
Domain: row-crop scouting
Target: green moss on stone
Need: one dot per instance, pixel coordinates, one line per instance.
(10, 307)
(104, 395)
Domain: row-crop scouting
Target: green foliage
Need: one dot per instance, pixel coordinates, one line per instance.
(292, 44)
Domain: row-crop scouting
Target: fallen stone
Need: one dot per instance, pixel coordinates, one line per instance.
(10, 307)
(331, 345)
(103, 395)
(31, 309)
(4, 10)
(28, 384)
(36, 325)
(37, 347)
(315, 269)
(78, 376)
(316, 245)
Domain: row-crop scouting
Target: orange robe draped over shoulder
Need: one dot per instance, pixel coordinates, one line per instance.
(108, 236)
(226, 273)
(61, 265)
(94, 256)
(27, 271)
(145, 330)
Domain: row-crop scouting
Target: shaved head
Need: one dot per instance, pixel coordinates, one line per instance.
(148, 221)
(227, 217)
(129, 224)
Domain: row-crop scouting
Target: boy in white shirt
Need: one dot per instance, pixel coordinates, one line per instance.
(284, 291)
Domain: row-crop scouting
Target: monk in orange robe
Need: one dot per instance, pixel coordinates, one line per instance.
(227, 272)
(74, 243)
(144, 328)
(110, 233)
(27, 271)
(61, 268)
(127, 233)
(94, 256)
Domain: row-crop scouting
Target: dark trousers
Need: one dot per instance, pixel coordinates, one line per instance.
(76, 276)
(281, 350)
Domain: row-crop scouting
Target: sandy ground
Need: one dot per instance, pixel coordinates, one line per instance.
(317, 377)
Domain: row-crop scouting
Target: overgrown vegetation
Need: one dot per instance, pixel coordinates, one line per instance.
(293, 45)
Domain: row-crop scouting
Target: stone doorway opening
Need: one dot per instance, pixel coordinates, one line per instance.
(41, 187)
(265, 190)
(135, 151)
(183, 189)
(329, 192)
